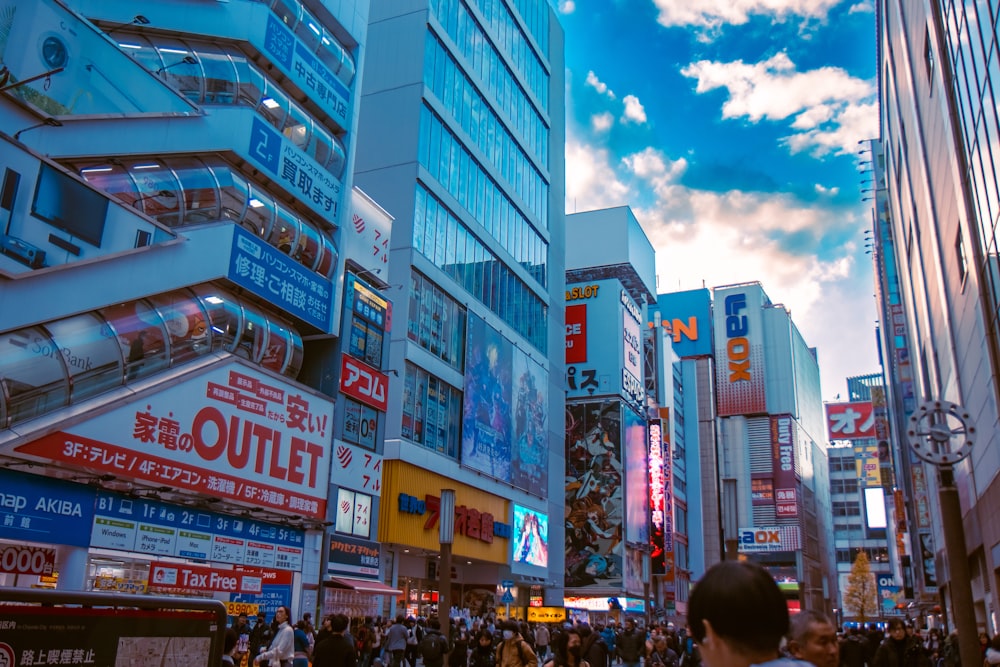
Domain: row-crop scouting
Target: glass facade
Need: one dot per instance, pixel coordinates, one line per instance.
(224, 76)
(187, 190)
(59, 363)
(330, 50)
(432, 411)
(446, 241)
(971, 32)
(436, 321)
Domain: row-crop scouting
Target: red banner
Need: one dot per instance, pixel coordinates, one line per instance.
(361, 381)
(20, 559)
(850, 421)
(783, 466)
(184, 578)
(576, 334)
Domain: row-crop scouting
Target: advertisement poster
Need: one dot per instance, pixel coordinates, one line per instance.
(231, 432)
(657, 496)
(739, 351)
(352, 557)
(687, 317)
(486, 423)
(531, 451)
(33, 635)
(594, 541)
(530, 538)
(636, 480)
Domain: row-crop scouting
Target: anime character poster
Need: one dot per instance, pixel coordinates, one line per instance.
(594, 540)
(486, 423)
(531, 448)
(531, 538)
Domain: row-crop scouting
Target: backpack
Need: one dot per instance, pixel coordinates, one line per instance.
(361, 642)
(432, 648)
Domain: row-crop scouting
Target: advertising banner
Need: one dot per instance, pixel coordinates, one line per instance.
(22, 559)
(669, 577)
(231, 432)
(39, 635)
(352, 557)
(182, 578)
(530, 540)
(769, 538)
(761, 490)
(40, 509)
(530, 464)
(594, 530)
(153, 527)
(636, 493)
(356, 468)
(668, 487)
(921, 502)
(687, 317)
(576, 334)
(259, 267)
(363, 382)
(657, 484)
(546, 614)
(369, 321)
(486, 423)
(783, 466)
(275, 591)
(739, 351)
(366, 239)
(850, 421)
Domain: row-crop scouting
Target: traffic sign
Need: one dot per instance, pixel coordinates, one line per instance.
(507, 583)
(507, 598)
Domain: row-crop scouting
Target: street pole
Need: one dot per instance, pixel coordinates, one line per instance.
(942, 433)
(646, 576)
(446, 535)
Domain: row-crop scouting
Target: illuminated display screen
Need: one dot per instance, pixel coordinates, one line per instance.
(531, 537)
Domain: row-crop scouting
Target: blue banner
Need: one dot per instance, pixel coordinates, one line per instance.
(41, 509)
(268, 273)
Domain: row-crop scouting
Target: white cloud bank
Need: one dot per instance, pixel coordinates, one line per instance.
(712, 14)
(830, 110)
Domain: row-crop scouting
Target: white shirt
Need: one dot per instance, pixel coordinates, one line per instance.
(282, 646)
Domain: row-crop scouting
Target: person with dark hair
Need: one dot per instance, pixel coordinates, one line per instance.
(631, 644)
(513, 651)
(812, 637)
(567, 649)
(433, 646)
(229, 647)
(738, 616)
(483, 654)
(900, 649)
(395, 641)
(854, 649)
(302, 645)
(260, 636)
(461, 639)
(337, 650)
(595, 651)
(282, 649)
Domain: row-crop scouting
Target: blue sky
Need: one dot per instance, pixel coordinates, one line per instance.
(731, 128)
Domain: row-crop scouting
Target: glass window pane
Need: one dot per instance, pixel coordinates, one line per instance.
(186, 77)
(321, 146)
(328, 258)
(159, 191)
(31, 374)
(91, 353)
(279, 344)
(251, 82)
(252, 342)
(235, 193)
(297, 126)
(224, 315)
(338, 159)
(220, 76)
(273, 105)
(285, 232)
(307, 248)
(200, 191)
(141, 335)
(112, 179)
(259, 217)
(186, 323)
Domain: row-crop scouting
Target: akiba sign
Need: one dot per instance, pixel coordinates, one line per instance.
(232, 432)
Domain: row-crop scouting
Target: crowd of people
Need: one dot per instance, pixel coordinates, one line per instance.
(737, 617)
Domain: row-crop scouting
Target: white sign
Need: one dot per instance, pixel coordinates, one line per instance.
(769, 538)
(365, 239)
(356, 468)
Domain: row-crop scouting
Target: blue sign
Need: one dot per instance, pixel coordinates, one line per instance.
(41, 509)
(269, 273)
(269, 599)
(687, 318)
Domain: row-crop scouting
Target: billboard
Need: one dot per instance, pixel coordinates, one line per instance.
(594, 540)
(769, 538)
(739, 350)
(530, 463)
(687, 317)
(366, 239)
(530, 540)
(783, 466)
(576, 334)
(352, 557)
(850, 421)
(40, 509)
(231, 432)
(657, 493)
(636, 480)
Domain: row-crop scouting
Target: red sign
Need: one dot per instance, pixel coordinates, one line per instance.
(19, 559)
(783, 466)
(184, 578)
(850, 421)
(576, 334)
(361, 381)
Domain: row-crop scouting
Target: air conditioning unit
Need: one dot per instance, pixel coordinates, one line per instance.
(22, 251)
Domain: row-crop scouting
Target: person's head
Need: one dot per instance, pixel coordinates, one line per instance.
(399, 618)
(574, 643)
(486, 639)
(434, 623)
(509, 629)
(897, 629)
(812, 637)
(339, 623)
(629, 625)
(283, 614)
(229, 643)
(736, 613)
(261, 617)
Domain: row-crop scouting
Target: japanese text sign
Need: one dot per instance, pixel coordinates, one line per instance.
(850, 421)
(361, 381)
(40, 509)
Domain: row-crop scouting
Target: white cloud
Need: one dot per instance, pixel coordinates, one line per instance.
(599, 85)
(719, 238)
(862, 8)
(602, 122)
(567, 6)
(634, 111)
(712, 14)
(831, 109)
(823, 190)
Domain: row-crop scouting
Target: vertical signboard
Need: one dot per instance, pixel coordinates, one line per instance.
(656, 496)
(739, 351)
(636, 479)
(594, 539)
(576, 333)
(783, 466)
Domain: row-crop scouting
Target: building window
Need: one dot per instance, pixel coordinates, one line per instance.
(354, 513)
(963, 265)
(928, 56)
(841, 508)
(843, 486)
(436, 322)
(432, 411)
(360, 423)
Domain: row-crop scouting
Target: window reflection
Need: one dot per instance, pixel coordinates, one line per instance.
(141, 336)
(32, 375)
(91, 354)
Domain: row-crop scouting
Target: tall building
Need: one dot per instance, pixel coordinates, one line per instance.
(772, 461)
(461, 140)
(936, 211)
(177, 176)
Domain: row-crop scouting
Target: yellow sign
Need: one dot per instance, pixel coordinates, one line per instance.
(237, 608)
(119, 584)
(546, 614)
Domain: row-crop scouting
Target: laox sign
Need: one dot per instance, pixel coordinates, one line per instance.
(755, 537)
(737, 346)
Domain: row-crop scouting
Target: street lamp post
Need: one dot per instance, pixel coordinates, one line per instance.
(446, 535)
(646, 576)
(941, 433)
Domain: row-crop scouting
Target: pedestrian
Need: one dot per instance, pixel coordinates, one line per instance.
(335, 650)
(630, 645)
(567, 649)
(513, 651)
(229, 647)
(461, 639)
(542, 639)
(302, 640)
(854, 649)
(483, 654)
(395, 641)
(595, 651)
(433, 646)
(260, 636)
(738, 616)
(900, 649)
(993, 652)
(812, 637)
(282, 649)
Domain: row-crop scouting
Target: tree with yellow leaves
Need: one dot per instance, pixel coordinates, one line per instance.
(861, 594)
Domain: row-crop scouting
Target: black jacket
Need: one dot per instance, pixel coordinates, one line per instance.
(334, 651)
(630, 646)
